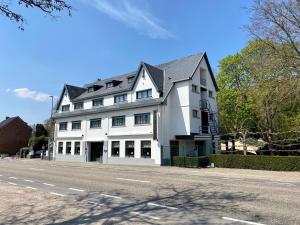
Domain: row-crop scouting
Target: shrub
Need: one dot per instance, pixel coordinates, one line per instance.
(277, 163)
(192, 162)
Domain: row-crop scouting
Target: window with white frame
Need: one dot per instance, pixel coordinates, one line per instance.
(97, 102)
(109, 84)
(65, 108)
(63, 126)
(78, 105)
(77, 148)
(146, 149)
(143, 118)
(115, 148)
(76, 125)
(60, 147)
(129, 148)
(95, 123)
(144, 94)
(118, 121)
(120, 98)
(68, 147)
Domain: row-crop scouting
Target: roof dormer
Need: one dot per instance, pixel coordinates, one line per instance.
(94, 88)
(113, 83)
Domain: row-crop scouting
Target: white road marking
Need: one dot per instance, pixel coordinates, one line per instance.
(111, 196)
(75, 189)
(1, 175)
(52, 185)
(144, 215)
(36, 169)
(163, 206)
(32, 188)
(141, 181)
(57, 194)
(12, 183)
(13, 178)
(31, 181)
(242, 221)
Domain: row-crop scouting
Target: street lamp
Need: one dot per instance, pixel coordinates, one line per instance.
(50, 139)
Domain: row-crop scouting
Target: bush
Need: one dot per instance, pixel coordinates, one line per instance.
(277, 163)
(192, 162)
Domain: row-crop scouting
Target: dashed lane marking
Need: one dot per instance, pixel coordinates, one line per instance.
(12, 183)
(51, 185)
(162, 206)
(32, 188)
(125, 179)
(145, 215)
(57, 194)
(75, 189)
(14, 178)
(111, 196)
(241, 221)
(30, 181)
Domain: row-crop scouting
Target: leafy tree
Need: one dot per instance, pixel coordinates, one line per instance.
(40, 130)
(50, 7)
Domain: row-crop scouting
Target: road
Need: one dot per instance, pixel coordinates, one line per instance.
(161, 195)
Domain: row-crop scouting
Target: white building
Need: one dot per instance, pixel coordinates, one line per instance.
(143, 117)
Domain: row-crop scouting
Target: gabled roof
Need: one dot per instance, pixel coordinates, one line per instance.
(9, 120)
(73, 92)
(163, 76)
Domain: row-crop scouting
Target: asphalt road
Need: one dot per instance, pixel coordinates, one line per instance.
(163, 195)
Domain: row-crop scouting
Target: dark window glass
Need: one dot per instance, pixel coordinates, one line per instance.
(109, 85)
(63, 126)
(68, 148)
(95, 123)
(195, 113)
(77, 148)
(120, 98)
(76, 125)
(90, 89)
(118, 121)
(144, 94)
(129, 151)
(210, 94)
(97, 102)
(115, 148)
(65, 108)
(146, 149)
(60, 147)
(194, 88)
(78, 105)
(143, 118)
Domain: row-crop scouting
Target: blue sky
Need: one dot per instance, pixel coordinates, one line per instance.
(104, 38)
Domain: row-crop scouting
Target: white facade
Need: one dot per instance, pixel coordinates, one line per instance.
(168, 118)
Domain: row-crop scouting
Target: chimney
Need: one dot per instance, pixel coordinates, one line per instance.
(7, 118)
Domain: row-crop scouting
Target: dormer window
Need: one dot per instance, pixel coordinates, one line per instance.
(94, 88)
(90, 89)
(65, 108)
(109, 85)
(130, 79)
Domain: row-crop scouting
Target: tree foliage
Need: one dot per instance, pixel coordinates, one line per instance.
(50, 7)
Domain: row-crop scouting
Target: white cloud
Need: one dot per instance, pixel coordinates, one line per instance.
(30, 94)
(139, 19)
(7, 90)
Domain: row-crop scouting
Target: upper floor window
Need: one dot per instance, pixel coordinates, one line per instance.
(60, 147)
(194, 88)
(143, 118)
(210, 94)
(115, 148)
(68, 148)
(65, 108)
(90, 89)
(77, 148)
(130, 79)
(95, 123)
(109, 84)
(63, 126)
(98, 102)
(76, 125)
(78, 105)
(118, 121)
(144, 94)
(146, 149)
(120, 98)
(195, 113)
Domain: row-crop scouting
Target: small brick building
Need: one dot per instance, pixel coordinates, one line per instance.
(14, 134)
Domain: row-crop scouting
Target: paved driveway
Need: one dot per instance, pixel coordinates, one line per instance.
(115, 194)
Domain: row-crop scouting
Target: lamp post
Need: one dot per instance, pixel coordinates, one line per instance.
(50, 134)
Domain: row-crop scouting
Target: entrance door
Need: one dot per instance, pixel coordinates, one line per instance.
(204, 119)
(97, 151)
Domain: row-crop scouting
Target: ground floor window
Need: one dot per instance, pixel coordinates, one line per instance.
(146, 149)
(60, 147)
(68, 148)
(115, 148)
(77, 148)
(129, 151)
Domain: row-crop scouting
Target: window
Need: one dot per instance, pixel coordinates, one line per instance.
(121, 98)
(77, 148)
(146, 149)
(194, 88)
(109, 84)
(130, 79)
(63, 126)
(95, 123)
(68, 148)
(195, 113)
(78, 105)
(144, 94)
(115, 148)
(90, 89)
(98, 102)
(210, 94)
(143, 118)
(60, 147)
(129, 151)
(118, 121)
(76, 125)
(65, 108)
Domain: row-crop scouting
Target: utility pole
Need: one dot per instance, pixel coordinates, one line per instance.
(50, 145)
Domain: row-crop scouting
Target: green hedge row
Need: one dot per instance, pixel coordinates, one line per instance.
(278, 163)
(191, 162)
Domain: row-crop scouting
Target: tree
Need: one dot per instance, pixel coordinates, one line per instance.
(50, 7)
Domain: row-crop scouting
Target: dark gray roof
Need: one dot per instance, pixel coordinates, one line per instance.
(163, 76)
(74, 91)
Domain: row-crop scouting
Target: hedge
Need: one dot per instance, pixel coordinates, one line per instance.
(192, 162)
(277, 163)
